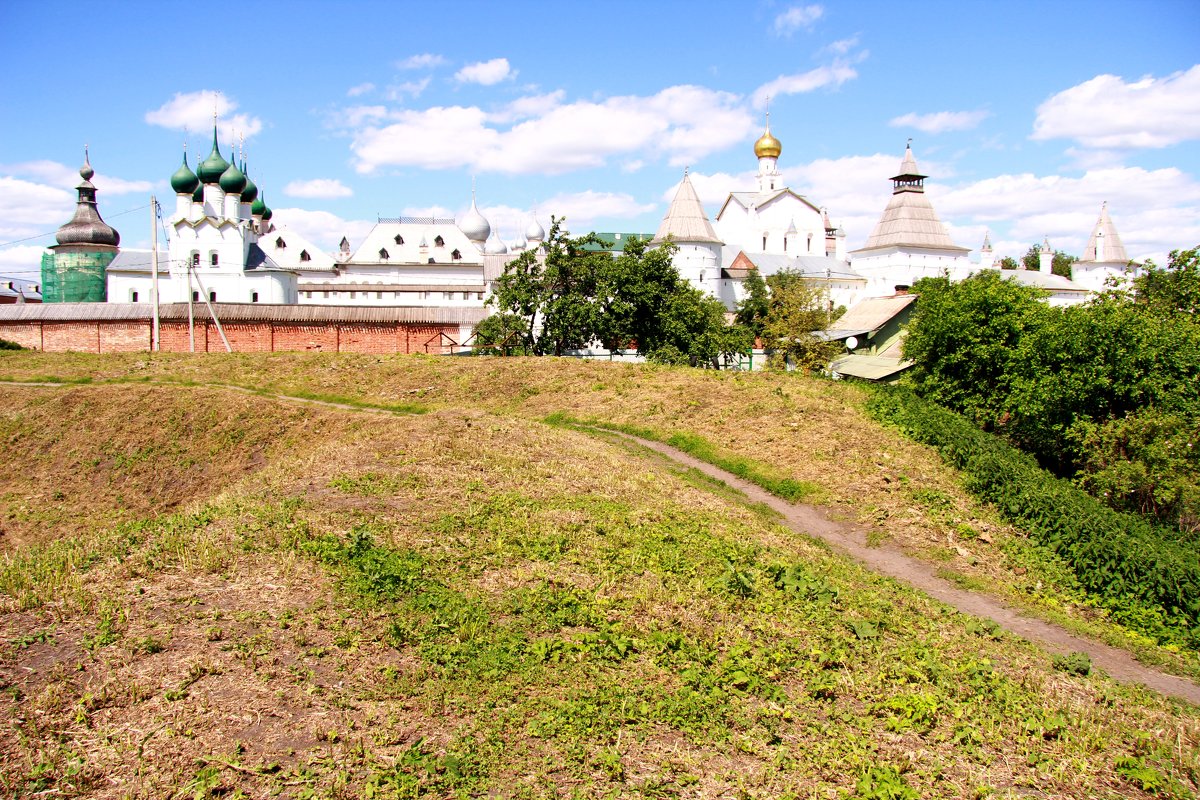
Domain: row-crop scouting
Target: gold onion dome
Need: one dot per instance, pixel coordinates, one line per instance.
(767, 146)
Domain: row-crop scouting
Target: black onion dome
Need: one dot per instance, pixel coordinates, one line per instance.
(86, 227)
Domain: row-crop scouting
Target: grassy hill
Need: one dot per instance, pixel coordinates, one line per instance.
(206, 591)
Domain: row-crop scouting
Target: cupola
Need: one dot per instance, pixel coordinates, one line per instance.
(86, 227)
(212, 168)
(474, 225)
(232, 180)
(184, 181)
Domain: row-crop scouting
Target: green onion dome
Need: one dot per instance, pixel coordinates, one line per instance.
(233, 180)
(212, 168)
(258, 206)
(267, 213)
(251, 191)
(198, 195)
(184, 181)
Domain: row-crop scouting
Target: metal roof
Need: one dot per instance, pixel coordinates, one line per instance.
(685, 220)
(243, 312)
(871, 314)
(872, 368)
(1043, 280)
(1104, 245)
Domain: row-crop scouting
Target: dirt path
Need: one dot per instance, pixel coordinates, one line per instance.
(888, 560)
(885, 560)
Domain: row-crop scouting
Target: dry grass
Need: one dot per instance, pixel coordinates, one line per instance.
(212, 646)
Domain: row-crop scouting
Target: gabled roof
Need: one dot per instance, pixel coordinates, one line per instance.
(760, 199)
(685, 220)
(871, 314)
(1105, 234)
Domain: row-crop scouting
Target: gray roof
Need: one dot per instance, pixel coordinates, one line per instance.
(873, 368)
(139, 261)
(871, 314)
(1111, 251)
(809, 266)
(1043, 280)
(685, 220)
(909, 219)
(242, 312)
(759, 199)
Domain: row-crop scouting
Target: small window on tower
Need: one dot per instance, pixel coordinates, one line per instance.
(439, 242)
(195, 297)
(254, 297)
(383, 254)
(132, 295)
(212, 297)
(764, 241)
(212, 258)
(195, 259)
(399, 239)
(304, 256)
(280, 243)
(455, 256)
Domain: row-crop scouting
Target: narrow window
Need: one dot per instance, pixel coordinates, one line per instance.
(308, 295)
(195, 259)
(379, 295)
(785, 243)
(764, 241)
(810, 243)
(195, 297)
(325, 294)
(254, 297)
(132, 295)
(212, 297)
(352, 294)
(213, 259)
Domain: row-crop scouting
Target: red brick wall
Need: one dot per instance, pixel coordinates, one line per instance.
(323, 338)
(124, 337)
(26, 334)
(114, 336)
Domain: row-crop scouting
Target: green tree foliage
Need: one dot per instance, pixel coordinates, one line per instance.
(1008, 262)
(1060, 265)
(1107, 393)
(784, 311)
(575, 296)
(502, 334)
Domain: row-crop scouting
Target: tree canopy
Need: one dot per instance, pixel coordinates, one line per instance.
(576, 296)
(1107, 393)
(784, 311)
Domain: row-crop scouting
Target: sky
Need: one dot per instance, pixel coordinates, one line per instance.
(1026, 116)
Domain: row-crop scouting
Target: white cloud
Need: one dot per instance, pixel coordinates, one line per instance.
(1107, 112)
(581, 209)
(422, 61)
(356, 116)
(526, 107)
(361, 89)
(687, 122)
(64, 177)
(408, 88)
(318, 188)
(193, 111)
(23, 261)
(486, 73)
(795, 18)
(940, 121)
(829, 75)
(323, 228)
(842, 46)
(28, 208)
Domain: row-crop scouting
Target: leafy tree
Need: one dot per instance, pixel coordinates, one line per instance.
(1008, 262)
(502, 334)
(574, 296)
(795, 309)
(1060, 265)
(1175, 288)
(963, 338)
(752, 311)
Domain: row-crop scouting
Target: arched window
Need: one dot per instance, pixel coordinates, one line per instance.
(254, 297)
(212, 297)
(195, 259)
(764, 241)
(212, 258)
(132, 295)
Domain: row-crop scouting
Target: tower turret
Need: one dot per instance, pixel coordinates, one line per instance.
(76, 271)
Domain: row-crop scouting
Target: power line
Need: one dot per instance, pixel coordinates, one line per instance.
(51, 233)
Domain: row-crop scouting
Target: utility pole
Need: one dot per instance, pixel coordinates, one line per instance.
(154, 270)
(191, 319)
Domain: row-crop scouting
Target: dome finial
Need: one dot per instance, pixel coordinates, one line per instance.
(86, 172)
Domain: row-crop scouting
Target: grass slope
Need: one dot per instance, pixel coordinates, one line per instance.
(471, 602)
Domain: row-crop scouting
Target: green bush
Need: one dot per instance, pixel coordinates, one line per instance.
(1138, 571)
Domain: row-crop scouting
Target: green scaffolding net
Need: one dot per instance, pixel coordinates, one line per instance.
(75, 277)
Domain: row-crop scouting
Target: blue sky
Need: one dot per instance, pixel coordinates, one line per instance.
(1025, 115)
